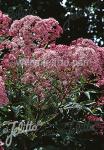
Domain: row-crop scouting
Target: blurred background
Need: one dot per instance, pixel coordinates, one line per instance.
(79, 18)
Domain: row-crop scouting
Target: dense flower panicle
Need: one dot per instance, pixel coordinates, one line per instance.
(33, 47)
(65, 64)
(93, 118)
(19, 26)
(36, 69)
(5, 44)
(36, 66)
(9, 61)
(3, 96)
(100, 82)
(90, 44)
(5, 22)
(34, 31)
(84, 43)
(101, 57)
(86, 61)
(46, 31)
(28, 78)
(99, 123)
(100, 101)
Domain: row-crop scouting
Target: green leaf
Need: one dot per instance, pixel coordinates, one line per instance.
(87, 95)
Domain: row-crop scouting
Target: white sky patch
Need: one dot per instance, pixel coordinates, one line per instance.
(63, 3)
(29, 0)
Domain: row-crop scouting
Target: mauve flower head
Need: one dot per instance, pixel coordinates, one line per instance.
(86, 61)
(93, 55)
(3, 96)
(100, 50)
(57, 62)
(5, 44)
(93, 118)
(34, 38)
(34, 31)
(100, 101)
(100, 82)
(47, 30)
(5, 23)
(90, 44)
(25, 23)
(84, 43)
(9, 61)
(28, 78)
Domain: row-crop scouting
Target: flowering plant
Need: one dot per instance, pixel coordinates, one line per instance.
(57, 87)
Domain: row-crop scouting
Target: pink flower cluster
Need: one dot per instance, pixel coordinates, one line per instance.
(93, 118)
(3, 96)
(99, 123)
(100, 82)
(46, 67)
(32, 31)
(65, 64)
(86, 59)
(5, 23)
(33, 48)
(100, 101)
